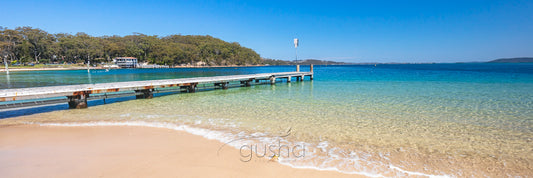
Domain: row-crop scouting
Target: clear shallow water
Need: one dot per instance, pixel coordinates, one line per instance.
(385, 120)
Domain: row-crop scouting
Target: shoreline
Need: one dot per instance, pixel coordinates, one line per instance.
(43, 69)
(100, 68)
(126, 151)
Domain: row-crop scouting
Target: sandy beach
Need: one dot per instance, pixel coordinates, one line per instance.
(51, 151)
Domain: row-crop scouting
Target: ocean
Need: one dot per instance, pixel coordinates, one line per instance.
(384, 120)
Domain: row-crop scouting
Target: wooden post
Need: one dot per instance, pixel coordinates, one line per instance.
(272, 80)
(146, 94)
(297, 68)
(192, 88)
(289, 79)
(311, 77)
(311, 67)
(247, 83)
(78, 101)
(225, 85)
(302, 78)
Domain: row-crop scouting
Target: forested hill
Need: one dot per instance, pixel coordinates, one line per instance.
(33, 45)
(513, 60)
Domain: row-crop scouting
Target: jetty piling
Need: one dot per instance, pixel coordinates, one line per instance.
(311, 70)
(77, 95)
(144, 94)
(223, 85)
(78, 101)
(247, 83)
(272, 80)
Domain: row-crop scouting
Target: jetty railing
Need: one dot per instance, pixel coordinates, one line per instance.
(77, 95)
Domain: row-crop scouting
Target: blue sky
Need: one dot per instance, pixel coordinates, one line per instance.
(352, 31)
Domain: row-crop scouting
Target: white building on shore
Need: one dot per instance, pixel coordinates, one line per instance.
(126, 62)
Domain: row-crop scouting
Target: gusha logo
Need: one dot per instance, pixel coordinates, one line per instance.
(272, 151)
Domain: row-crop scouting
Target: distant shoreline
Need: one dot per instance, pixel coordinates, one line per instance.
(17, 69)
(41, 69)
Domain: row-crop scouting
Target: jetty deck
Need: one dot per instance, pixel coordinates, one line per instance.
(77, 94)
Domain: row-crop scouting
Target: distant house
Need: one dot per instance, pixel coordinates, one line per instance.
(126, 62)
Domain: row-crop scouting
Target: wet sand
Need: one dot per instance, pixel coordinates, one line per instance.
(48, 151)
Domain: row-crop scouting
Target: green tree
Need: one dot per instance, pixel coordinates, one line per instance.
(39, 40)
(30, 44)
(9, 39)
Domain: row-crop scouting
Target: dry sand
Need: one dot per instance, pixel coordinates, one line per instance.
(48, 151)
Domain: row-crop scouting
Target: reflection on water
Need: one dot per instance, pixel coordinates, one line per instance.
(8, 80)
(89, 76)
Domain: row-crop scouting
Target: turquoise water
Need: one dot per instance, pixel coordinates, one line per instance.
(386, 120)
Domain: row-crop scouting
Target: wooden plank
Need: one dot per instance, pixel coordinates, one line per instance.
(73, 90)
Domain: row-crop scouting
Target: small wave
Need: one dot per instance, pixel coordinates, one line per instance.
(417, 173)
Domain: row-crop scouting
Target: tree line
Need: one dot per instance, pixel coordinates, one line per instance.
(32, 45)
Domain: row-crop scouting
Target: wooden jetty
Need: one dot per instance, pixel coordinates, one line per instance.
(77, 94)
